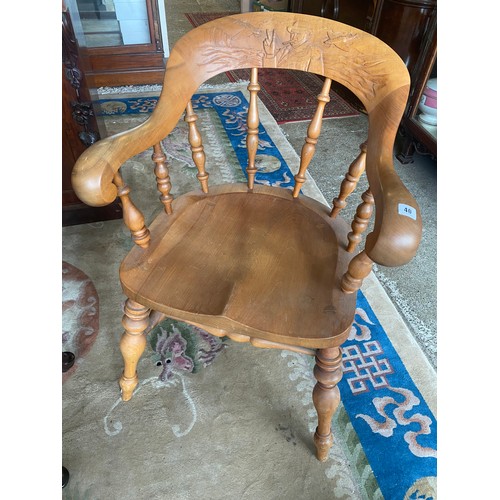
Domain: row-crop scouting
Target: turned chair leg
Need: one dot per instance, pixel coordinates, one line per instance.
(132, 345)
(326, 397)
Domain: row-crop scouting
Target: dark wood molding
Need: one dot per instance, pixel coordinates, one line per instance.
(403, 25)
(413, 136)
(408, 27)
(79, 130)
(355, 13)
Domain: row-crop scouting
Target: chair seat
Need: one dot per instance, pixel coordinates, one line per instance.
(260, 263)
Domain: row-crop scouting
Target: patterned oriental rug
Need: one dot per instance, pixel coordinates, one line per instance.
(213, 418)
(290, 96)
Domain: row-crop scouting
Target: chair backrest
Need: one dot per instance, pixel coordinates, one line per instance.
(354, 58)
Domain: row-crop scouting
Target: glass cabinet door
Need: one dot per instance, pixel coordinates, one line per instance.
(111, 23)
(125, 41)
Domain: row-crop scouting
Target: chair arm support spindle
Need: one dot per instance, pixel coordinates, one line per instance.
(359, 268)
(350, 181)
(361, 220)
(132, 216)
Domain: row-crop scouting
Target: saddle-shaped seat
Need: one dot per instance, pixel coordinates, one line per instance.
(257, 263)
(231, 260)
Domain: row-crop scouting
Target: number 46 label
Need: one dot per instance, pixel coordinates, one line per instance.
(407, 210)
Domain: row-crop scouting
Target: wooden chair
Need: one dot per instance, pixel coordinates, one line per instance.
(261, 264)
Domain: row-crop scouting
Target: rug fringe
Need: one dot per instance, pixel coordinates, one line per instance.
(129, 88)
(136, 89)
(222, 86)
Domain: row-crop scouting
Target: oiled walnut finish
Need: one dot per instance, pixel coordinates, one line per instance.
(255, 263)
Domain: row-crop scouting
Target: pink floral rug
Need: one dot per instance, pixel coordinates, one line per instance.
(80, 314)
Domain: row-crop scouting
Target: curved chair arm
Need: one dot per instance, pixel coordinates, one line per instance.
(398, 225)
(398, 228)
(92, 175)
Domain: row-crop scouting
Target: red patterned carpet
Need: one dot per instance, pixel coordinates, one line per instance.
(290, 96)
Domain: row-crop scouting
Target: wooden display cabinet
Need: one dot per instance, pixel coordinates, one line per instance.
(410, 28)
(415, 137)
(122, 41)
(79, 130)
(356, 13)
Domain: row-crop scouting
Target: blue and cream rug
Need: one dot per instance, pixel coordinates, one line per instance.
(217, 419)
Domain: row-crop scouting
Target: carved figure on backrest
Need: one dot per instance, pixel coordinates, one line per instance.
(298, 46)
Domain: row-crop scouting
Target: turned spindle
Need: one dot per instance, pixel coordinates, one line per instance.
(197, 150)
(350, 181)
(162, 177)
(359, 268)
(253, 126)
(326, 397)
(313, 132)
(135, 321)
(132, 216)
(361, 219)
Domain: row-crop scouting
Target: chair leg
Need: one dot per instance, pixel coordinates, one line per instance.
(326, 397)
(132, 345)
